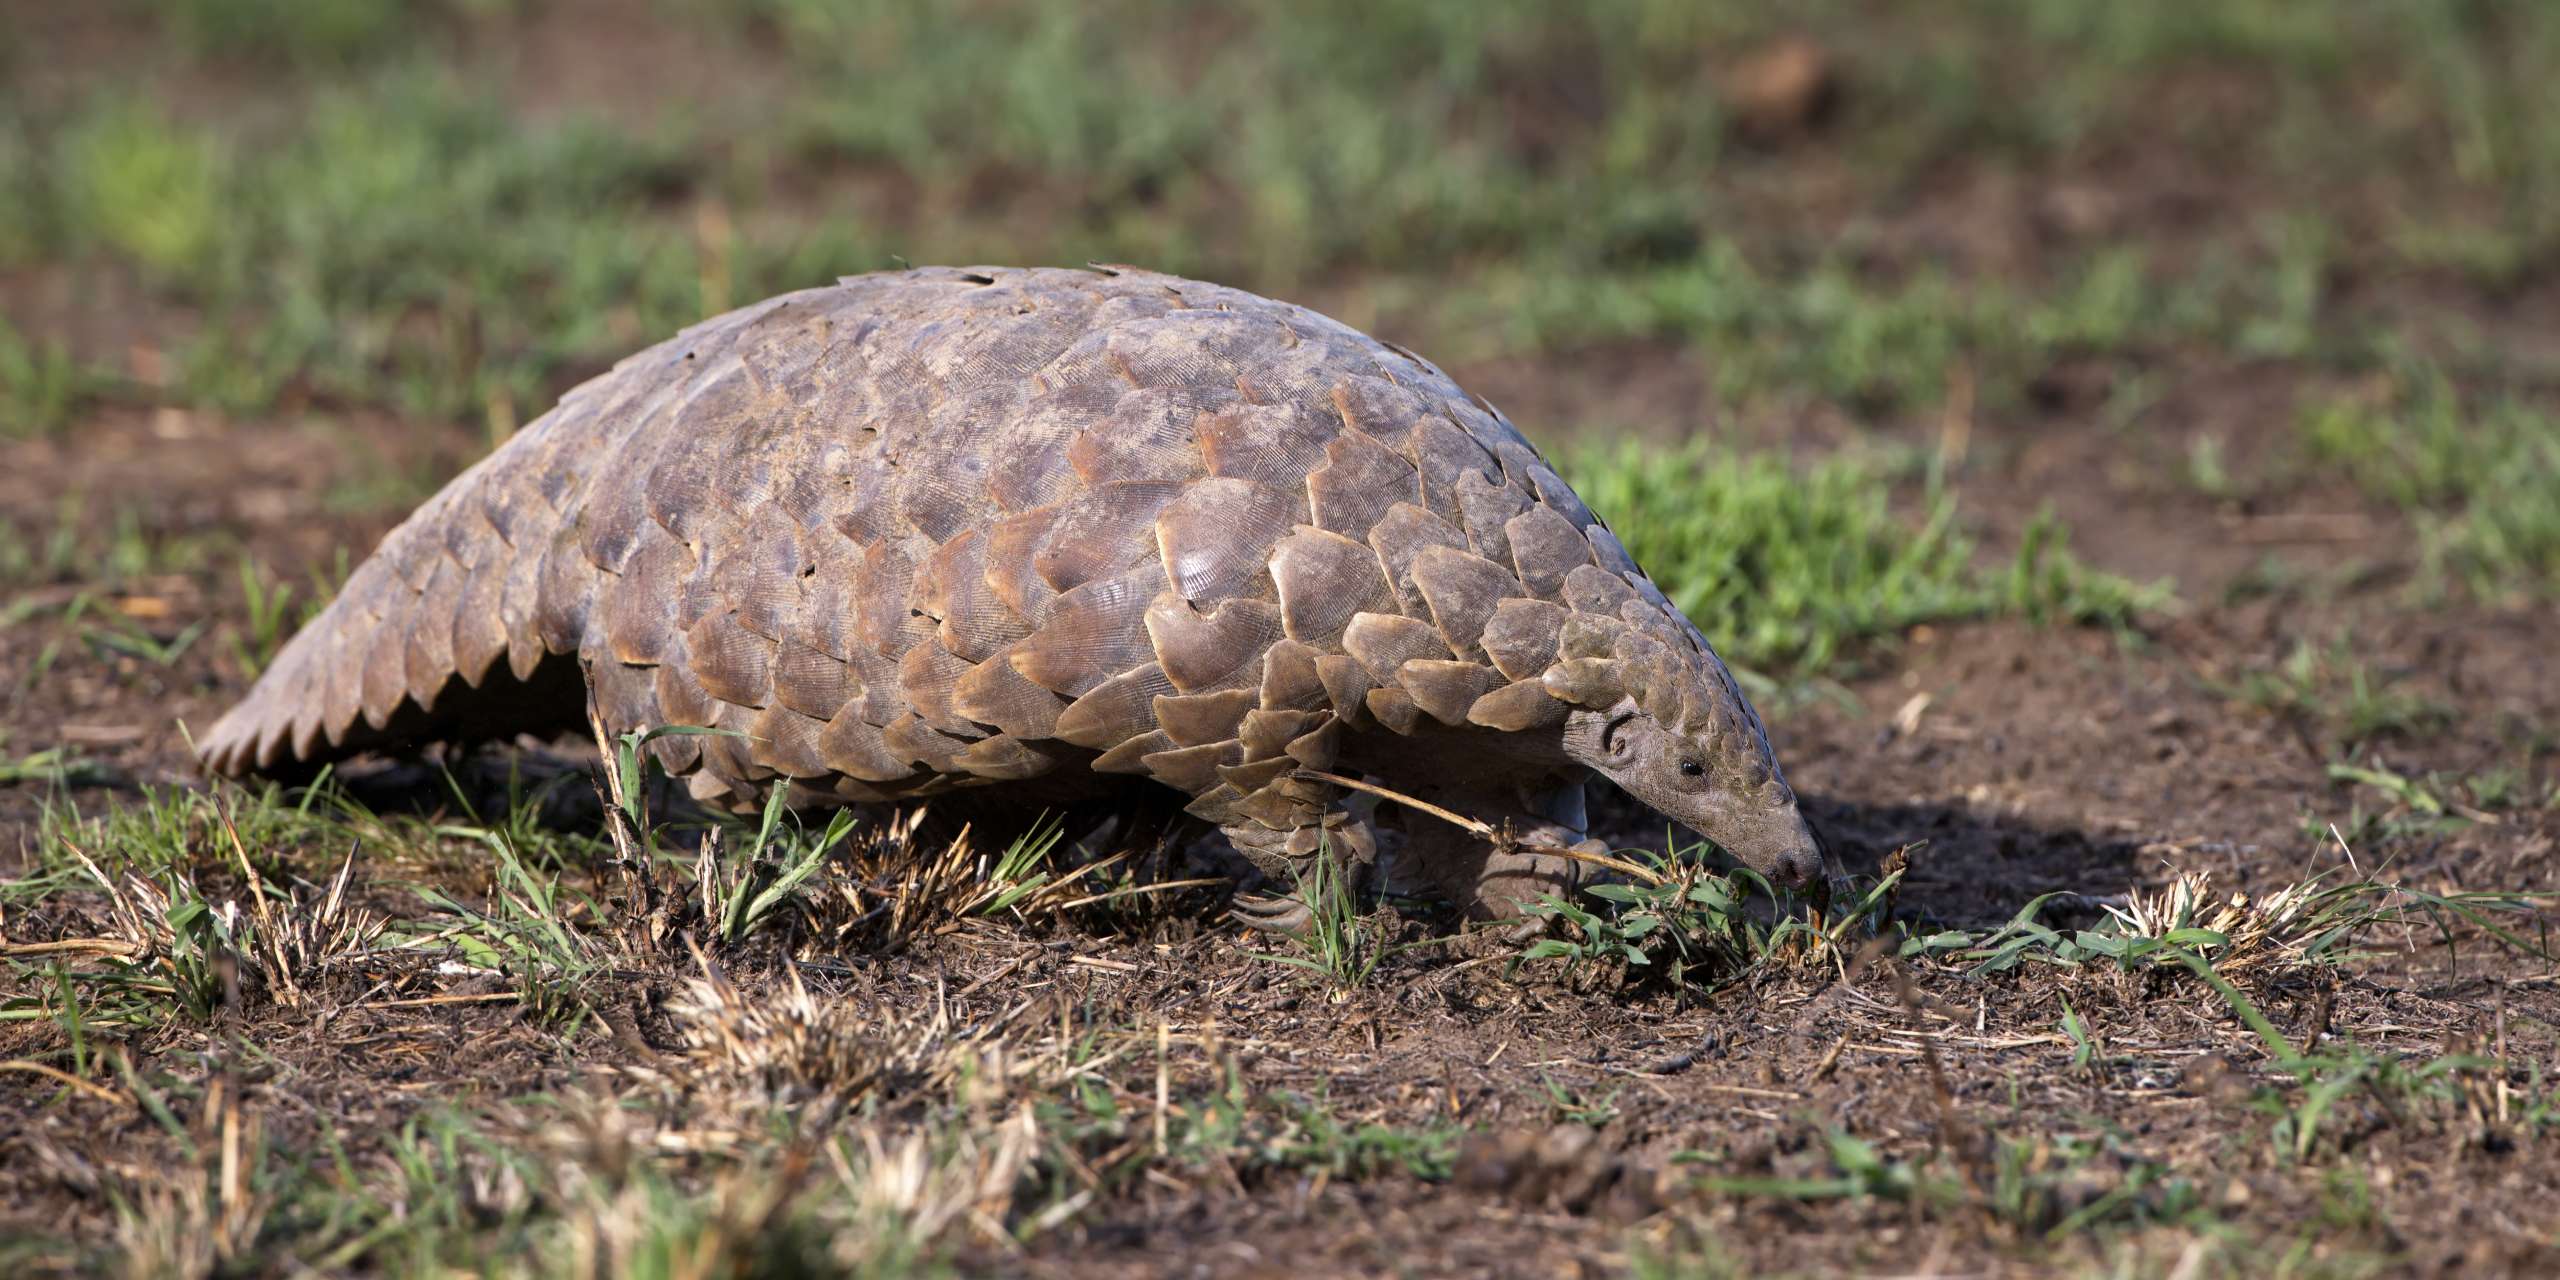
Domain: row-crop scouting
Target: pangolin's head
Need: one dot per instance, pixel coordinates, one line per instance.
(1656, 712)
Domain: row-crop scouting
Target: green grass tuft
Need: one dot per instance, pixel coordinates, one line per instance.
(42, 386)
(2481, 479)
(2330, 692)
(1792, 570)
(147, 189)
(304, 33)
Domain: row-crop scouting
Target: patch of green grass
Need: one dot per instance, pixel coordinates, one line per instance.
(1310, 1136)
(2206, 469)
(399, 238)
(49, 764)
(152, 192)
(110, 635)
(753, 888)
(206, 911)
(117, 635)
(408, 243)
(447, 1194)
(532, 929)
(2481, 479)
(2497, 258)
(1022, 873)
(2421, 808)
(371, 481)
(164, 829)
(42, 387)
(1828, 331)
(1579, 1106)
(66, 544)
(1382, 155)
(34, 552)
(1671, 920)
(2031, 1188)
(2286, 321)
(853, 884)
(202, 906)
(25, 215)
(2435, 795)
(1340, 943)
(2329, 692)
(1792, 570)
(2345, 91)
(1253, 1133)
(1875, 343)
(2311, 925)
(313, 34)
(274, 615)
(2327, 1099)
(2301, 36)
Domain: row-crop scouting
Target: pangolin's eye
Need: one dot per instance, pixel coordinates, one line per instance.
(1693, 769)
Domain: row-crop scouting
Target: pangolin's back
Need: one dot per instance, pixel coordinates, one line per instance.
(943, 526)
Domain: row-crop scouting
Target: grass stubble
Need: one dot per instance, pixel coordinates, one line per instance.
(851, 1050)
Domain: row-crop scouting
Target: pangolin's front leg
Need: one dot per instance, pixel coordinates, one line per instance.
(1489, 880)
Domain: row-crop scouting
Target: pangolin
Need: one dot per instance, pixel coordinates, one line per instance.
(942, 529)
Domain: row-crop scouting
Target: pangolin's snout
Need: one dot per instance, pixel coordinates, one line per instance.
(1797, 867)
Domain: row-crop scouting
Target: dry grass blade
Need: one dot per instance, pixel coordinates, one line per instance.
(1487, 830)
(62, 1077)
(2258, 933)
(74, 946)
(924, 1193)
(1137, 890)
(788, 1046)
(202, 1217)
(2253, 939)
(300, 939)
(220, 953)
(450, 998)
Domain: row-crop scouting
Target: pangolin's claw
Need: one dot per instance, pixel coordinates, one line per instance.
(1273, 914)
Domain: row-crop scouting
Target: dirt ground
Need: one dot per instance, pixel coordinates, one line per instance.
(2022, 760)
(1590, 1125)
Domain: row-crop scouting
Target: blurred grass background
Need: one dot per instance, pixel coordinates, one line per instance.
(1828, 223)
(425, 204)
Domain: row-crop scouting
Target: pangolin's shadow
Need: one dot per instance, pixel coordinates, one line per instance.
(1970, 869)
(556, 782)
(1966, 869)
(558, 786)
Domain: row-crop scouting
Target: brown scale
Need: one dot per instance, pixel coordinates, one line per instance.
(479, 636)
(428, 645)
(1323, 580)
(945, 528)
(1202, 650)
(996, 693)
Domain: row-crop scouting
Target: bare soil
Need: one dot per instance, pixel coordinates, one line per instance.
(2024, 761)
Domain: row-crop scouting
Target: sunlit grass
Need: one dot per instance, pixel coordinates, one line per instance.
(402, 238)
(1794, 570)
(2479, 474)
